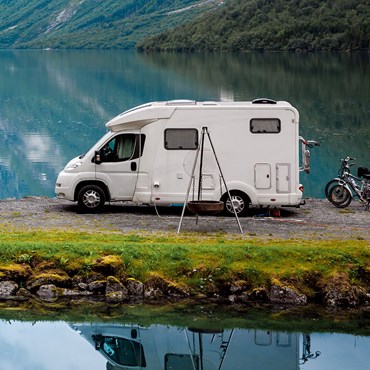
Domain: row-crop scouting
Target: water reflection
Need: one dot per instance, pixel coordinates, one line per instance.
(163, 347)
(99, 346)
(45, 346)
(53, 104)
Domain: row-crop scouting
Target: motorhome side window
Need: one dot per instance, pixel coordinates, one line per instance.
(123, 147)
(181, 138)
(265, 125)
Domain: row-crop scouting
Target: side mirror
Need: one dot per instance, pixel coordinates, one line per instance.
(97, 158)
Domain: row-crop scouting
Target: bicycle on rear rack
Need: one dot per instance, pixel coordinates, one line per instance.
(341, 190)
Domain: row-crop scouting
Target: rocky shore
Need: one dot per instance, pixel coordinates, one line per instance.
(316, 220)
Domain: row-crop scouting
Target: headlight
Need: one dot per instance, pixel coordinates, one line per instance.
(74, 165)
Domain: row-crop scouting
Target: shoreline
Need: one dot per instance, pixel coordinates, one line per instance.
(32, 275)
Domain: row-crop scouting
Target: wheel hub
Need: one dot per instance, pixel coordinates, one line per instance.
(91, 199)
(237, 202)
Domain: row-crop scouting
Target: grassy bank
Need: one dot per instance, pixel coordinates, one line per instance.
(198, 263)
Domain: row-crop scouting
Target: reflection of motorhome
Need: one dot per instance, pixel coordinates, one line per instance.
(163, 348)
(149, 154)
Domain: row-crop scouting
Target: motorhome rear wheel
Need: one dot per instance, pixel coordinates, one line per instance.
(240, 202)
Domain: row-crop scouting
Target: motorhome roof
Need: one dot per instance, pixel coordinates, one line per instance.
(144, 114)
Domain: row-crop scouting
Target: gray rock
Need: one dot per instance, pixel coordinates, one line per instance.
(48, 292)
(73, 293)
(340, 293)
(115, 297)
(115, 291)
(153, 293)
(286, 295)
(99, 285)
(83, 286)
(238, 287)
(8, 288)
(24, 293)
(47, 278)
(135, 287)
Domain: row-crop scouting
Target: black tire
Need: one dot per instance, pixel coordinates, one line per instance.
(241, 203)
(328, 186)
(91, 198)
(340, 196)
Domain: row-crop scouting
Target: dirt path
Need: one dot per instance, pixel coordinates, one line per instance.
(317, 219)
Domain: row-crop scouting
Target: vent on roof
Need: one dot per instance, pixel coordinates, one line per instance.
(264, 101)
(181, 102)
(209, 103)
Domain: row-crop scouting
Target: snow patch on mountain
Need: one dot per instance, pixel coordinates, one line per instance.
(190, 7)
(64, 16)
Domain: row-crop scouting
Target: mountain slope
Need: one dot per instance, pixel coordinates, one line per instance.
(90, 23)
(275, 25)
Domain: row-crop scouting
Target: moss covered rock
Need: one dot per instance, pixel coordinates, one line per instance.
(115, 291)
(108, 265)
(286, 294)
(15, 271)
(339, 292)
(58, 278)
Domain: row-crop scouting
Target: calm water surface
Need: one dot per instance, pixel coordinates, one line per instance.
(60, 345)
(54, 104)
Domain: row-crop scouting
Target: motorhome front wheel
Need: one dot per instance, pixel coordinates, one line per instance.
(91, 198)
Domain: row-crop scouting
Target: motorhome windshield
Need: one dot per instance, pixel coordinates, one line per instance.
(122, 351)
(123, 147)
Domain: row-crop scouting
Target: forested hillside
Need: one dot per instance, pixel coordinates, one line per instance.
(273, 25)
(91, 23)
(187, 25)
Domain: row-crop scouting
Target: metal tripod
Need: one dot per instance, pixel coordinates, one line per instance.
(201, 149)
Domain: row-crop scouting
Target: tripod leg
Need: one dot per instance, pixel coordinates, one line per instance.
(188, 190)
(223, 179)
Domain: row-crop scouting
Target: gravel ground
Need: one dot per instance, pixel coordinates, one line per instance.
(317, 219)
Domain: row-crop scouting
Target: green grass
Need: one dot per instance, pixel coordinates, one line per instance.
(190, 259)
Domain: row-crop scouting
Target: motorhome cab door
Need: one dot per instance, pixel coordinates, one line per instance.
(117, 164)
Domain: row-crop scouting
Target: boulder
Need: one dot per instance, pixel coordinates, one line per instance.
(108, 265)
(135, 287)
(56, 278)
(282, 294)
(8, 288)
(339, 292)
(115, 291)
(48, 292)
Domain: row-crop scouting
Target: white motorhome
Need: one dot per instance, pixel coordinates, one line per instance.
(149, 154)
(163, 347)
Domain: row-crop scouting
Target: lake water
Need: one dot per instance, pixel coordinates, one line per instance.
(54, 104)
(202, 341)
(100, 346)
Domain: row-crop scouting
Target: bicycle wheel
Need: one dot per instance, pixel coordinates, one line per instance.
(328, 186)
(340, 196)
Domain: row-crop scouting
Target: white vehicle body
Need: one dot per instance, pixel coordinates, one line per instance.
(160, 347)
(257, 145)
